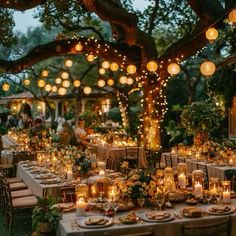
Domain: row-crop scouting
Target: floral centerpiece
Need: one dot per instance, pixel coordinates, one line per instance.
(83, 164)
(226, 153)
(210, 148)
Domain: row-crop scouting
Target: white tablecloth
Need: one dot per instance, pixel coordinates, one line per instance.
(8, 142)
(6, 157)
(35, 186)
(171, 228)
(117, 153)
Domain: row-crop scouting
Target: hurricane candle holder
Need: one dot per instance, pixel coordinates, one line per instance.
(213, 184)
(226, 189)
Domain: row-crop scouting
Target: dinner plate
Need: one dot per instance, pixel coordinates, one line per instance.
(220, 213)
(82, 223)
(51, 181)
(143, 215)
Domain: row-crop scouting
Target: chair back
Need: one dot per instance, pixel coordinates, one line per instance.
(231, 175)
(168, 160)
(218, 227)
(203, 167)
(131, 153)
(145, 233)
(180, 159)
(68, 194)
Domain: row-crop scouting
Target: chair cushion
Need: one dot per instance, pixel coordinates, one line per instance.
(13, 180)
(24, 202)
(17, 186)
(21, 193)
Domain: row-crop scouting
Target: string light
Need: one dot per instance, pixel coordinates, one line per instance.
(105, 64)
(78, 47)
(110, 82)
(64, 75)
(114, 66)
(5, 87)
(66, 83)
(62, 91)
(232, 16)
(48, 87)
(173, 69)
(58, 80)
(76, 83)
(44, 73)
(152, 66)
(123, 79)
(101, 71)
(87, 90)
(101, 83)
(41, 83)
(54, 88)
(207, 68)
(26, 82)
(131, 69)
(212, 34)
(68, 63)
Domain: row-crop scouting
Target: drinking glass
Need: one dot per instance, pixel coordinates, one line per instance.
(218, 196)
(115, 206)
(160, 200)
(106, 207)
(208, 197)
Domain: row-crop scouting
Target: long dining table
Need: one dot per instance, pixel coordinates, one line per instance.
(169, 228)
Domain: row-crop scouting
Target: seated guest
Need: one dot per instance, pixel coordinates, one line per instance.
(38, 130)
(80, 133)
(66, 134)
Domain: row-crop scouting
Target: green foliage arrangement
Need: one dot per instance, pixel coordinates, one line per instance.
(45, 212)
(90, 118)
(83, 164)
(201, 117)
(114, 115)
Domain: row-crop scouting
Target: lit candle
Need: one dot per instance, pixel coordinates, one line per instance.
(94, 190)
(111, 195)
(231, 161)
(226, 197)
(214, 189)
(182, 181)
(102, 172)
(69, 175)
(80, 207)
(198, 190)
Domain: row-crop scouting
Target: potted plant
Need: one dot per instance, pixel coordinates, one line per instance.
(45, 218)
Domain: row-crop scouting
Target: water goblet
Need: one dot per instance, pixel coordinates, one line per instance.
(160, 200)
(115, 206)
(106, 207)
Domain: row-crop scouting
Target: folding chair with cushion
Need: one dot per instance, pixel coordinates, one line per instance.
(132, 155)
(180, 159)
(217, 227)
(68, 194)
(168, 160)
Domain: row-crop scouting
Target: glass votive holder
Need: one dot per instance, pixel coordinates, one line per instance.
(182, 168)
(82, 191)
(213, 185)
(197, 177)
(226, 189)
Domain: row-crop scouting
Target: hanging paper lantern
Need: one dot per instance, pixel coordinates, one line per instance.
(5, 87)
(66, 83)
(41, 83)
(105, 64)
(68, 63)
(90, 58)
(76, 83)
(64, 75)
(123, 79)
(58, 80)
(54, 88)
(130, 81)
(207, 68)
(232, 16)
(101, 83)
(110, 82)
(152, 66)
(114, 66)
(131, 69)
(87, 90)
(48, 87)
(78, 47)
(173, 69)
(26, 82)
(101, 71)
(212, 34)
(62, 91)
(44, 73)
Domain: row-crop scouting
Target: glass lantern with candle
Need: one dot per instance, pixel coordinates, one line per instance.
(198, 183)
(101, 167)
(112, 193)
(169, 181)
(213, 185)
(226, 189)
(82, 191)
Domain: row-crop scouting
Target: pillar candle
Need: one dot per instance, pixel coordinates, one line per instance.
(182, 181)
(226, 197)
(198, 190)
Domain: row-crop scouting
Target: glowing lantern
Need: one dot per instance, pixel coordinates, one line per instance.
(173, 69)
(44, 73)
(48, 87)
(207, 68)
(90, 58)
(5, 87)
(78, 47)
(58, 80)
(123, 79)
(105, 64)
(68, 63)
(62, 91)
(110, 82)
(211, 34)
(76, 83)
(114, 66)
(130, 81)
(152, 66)
(101, 71)
(232, 16)
(54, 88)
(64, 75)
(101, 83)
(41, 83)
(87, 90)
(131, 69)
(26, 82)
(66, 83)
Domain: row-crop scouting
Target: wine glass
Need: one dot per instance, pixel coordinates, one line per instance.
(160, 200)
(218, 196)
(208, 197)
(115, 206)
(106, 207)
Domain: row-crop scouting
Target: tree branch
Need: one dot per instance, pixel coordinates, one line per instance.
(152, 17)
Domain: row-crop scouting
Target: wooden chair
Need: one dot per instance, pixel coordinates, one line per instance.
(132, 155)
(144, 233)
(68, 194)
(157, 161)
(203, 167)
(218, 227)
(231, 175)
(168, 160)
(16, 207)
(180, 159)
